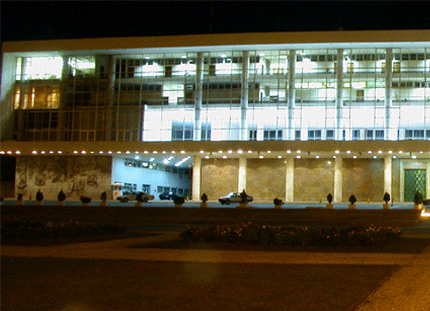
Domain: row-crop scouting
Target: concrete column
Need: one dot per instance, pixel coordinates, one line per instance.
(110, 97)
(244, 96)
(339, 93)
(242, 174)
(197, 165)
(289, 184)
(389, 133)
(198, 103)
(20, 116)
(291, 93)
(337, 192)
(388, 168)
(65, 80)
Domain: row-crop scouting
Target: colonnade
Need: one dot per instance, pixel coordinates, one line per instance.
(289, 177)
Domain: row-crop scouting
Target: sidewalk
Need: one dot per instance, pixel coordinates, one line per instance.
(407, 289)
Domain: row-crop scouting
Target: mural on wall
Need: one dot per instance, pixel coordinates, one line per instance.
(76, 176)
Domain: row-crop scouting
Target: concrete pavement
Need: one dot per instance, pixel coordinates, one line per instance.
(407, 289)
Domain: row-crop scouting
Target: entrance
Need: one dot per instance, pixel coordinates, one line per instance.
(415, 180)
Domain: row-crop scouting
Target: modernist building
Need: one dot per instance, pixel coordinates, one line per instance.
(289, 115)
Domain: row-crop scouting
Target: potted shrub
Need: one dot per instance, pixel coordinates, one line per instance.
(418, 200)
(85, 200)
(178, 201)
(204, 199)
(352, 199)
(329, 200)
(39, 197)
(139, 199)
(61, 198)
(103, 198)
(243, 196)
(386, 199)
(277, 202)
(19, 199)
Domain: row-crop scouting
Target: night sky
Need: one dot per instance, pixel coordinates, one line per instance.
(36, 20)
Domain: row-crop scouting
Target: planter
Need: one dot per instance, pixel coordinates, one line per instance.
(38, 203)
(84, 204)
(60, 203)
(19, 202)
(138, 204)
(351, 206)
(386, 206)
(419, 206)
(203, 205)
(102, 203)
(278, 205)
(178, 205)
(329, 206)
(242, 205)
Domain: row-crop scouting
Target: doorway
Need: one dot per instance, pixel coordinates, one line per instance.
(415, 181)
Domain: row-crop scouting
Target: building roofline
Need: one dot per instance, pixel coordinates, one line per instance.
(230, 39)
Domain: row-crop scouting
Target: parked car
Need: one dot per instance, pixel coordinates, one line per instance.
(234, 197)
(132, 196)
(426, 202)
(167, 195)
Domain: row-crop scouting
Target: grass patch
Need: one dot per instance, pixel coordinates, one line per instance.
(72, 284)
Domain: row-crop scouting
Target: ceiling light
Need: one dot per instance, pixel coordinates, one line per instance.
(354, 157)
(337, 152)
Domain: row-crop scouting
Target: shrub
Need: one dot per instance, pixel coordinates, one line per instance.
(35, 229)
(352, 199)
(39, 195)
(85, 199)
(267, 234)
(387, 197)
(418, 198)
(178, 200)
(277, 201)
(103, 196)
(61, 196)
(329, 198)
(204, 198)
(19, 197)
(139, 197)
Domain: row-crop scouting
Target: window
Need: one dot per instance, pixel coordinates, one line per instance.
(182, 131)
(416, 134)
(356, 135)
(159, 189)
(252, 134)
(396, 67)
(375, 134)
(297, 135)
(379, 134)
(329, 135)
(314, 135)
(168, 71)
(145, 188)
(428, 134)
(212, 70)
(206, 131)
(350, 68)
(272, 134)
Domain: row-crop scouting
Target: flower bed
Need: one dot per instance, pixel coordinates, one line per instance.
(292, 235)
(25, 229)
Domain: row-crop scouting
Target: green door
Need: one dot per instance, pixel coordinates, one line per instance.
(415, 180)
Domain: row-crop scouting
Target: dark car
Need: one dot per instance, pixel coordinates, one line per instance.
(234, 197)
(167, 195)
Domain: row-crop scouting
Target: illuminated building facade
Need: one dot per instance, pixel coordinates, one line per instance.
(289, 115)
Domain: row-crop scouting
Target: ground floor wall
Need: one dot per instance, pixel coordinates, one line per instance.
(76, 176)
(219, 177)
(313, 179)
